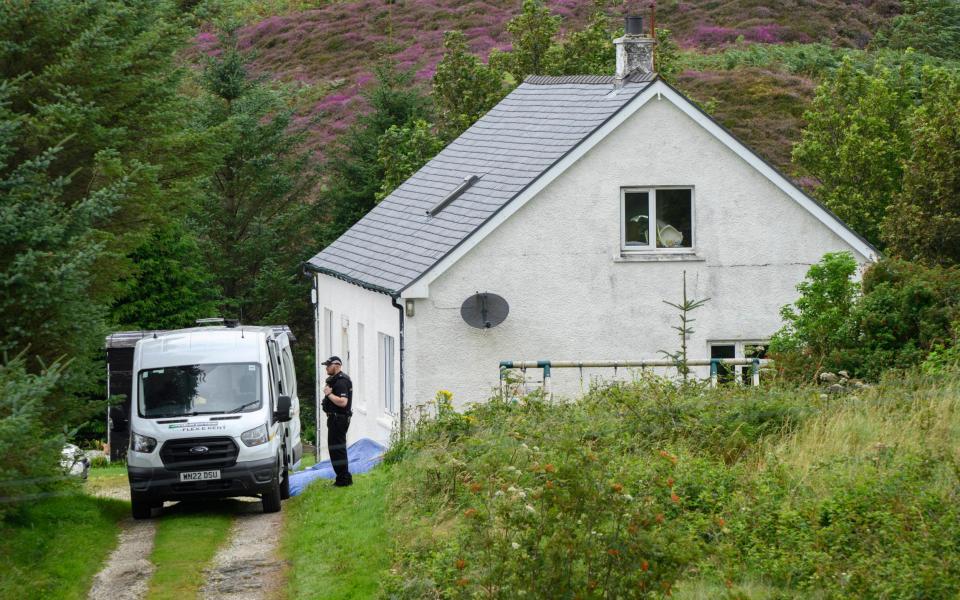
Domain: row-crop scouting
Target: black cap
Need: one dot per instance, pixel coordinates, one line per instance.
(332, 360)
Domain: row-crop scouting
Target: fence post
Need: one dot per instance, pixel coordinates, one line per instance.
(713, 372)
(756, 372)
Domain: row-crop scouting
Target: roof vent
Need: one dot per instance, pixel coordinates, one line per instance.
(467, 182)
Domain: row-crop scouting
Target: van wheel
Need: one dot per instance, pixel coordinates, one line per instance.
(285, 481)
(271, 497)
(140, 507)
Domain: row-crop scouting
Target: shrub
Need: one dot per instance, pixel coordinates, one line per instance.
(29, 453)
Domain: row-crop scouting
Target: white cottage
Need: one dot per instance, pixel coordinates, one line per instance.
(581, 201)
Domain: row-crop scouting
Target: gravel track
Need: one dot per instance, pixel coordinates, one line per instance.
(127, 573)
(247, 566)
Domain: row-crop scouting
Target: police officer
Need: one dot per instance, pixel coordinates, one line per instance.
(338, 404)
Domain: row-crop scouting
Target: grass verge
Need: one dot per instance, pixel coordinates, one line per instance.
(335, 539)
(53, 547)
(188, 536)
(109, 477)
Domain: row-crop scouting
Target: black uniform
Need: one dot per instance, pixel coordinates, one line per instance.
(338, 422)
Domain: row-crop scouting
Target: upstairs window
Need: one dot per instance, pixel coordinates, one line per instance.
(658, 219)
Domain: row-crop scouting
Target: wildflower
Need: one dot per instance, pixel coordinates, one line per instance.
(524, 446)
(475, 488)
(644, 566)
(498, 493)
(549, 485)
(470, 512)
(521, 494)
(549, 468)
(617, 487)
(668, 456)
(675, 497)
(530, 509)
(463, 581)
(659, 518)
(461, 564)
(721, 522)
(515, 545)
(728, 583)
(613, 552)
(628, 497)
(670, 482)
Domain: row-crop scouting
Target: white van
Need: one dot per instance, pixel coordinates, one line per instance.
(213, 413)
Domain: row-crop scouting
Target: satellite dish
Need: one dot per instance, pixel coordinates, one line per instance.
(484, 311)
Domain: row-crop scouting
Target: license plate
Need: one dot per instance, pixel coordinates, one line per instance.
(200, 475)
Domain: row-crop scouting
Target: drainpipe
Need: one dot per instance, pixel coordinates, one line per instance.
(315, 293)
(399, 307)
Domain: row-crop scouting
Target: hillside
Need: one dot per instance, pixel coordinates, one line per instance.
(329, 51)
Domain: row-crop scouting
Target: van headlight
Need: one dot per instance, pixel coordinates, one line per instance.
(142, 443)
(255, 436)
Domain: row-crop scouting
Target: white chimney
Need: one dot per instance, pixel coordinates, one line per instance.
(634, 50)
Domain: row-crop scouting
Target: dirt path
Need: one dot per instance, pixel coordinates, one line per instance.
(247, 566)
(127, 572)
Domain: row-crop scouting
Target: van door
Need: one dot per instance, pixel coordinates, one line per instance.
(290, 376)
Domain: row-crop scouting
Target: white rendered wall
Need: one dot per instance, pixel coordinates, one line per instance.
(558, 263)
(351, 306)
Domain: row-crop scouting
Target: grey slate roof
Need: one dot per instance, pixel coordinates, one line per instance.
(509, 148)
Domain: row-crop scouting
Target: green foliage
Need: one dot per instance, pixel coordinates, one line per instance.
(254, 221)
(684, 329)
(641, 489)
(53, 547)
(464, 88)
(666, 56)
(531, 33)
(904, 312)
(930, 26)
(403, 150)
(818, 323)
(29, 452)
(171, 288)
(584, 51)
(856, 139)
(49, 252)
(353, 173)
(923, 221)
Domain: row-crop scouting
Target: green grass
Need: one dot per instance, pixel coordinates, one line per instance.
(53, 547)
(108, 477)
(335, 539)
(188, 536)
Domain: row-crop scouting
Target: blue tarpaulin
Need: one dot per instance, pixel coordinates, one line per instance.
(364, 454)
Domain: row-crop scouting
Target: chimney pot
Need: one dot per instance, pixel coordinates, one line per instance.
(634, 25)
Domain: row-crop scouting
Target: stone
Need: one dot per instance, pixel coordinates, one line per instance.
(843, 374)
(828, 377)
(836, 389)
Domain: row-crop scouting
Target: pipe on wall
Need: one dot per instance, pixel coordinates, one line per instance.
(400, 308)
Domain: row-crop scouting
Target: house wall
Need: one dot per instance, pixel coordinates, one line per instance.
(352, 306)
(573, 296)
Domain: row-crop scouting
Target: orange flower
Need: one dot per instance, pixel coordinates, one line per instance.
(549, 468)
(644, 566)
(475, 487)
(728, 583)
(670, 482)
(463, 581)
(721, 522)
(461, 564)
(470, 512)
(617, 487)
(549, 485)
(592, 457)
(659, 518)
(668, 456)
(675, 497)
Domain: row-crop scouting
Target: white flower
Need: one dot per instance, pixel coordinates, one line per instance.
(515, 545)
(498, 493)
(628, 497)
(530, 509)
(521, 494)
(524, 446)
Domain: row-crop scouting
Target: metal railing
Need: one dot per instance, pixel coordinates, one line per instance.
(548, 365)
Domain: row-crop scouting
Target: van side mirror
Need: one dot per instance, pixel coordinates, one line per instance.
(282, 413)
(118, 417)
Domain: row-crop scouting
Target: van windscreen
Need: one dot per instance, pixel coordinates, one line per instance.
(199, 390)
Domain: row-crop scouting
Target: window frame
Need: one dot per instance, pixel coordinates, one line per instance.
(359, 386)
(386, 347)
(652, 248)
(740, 346)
